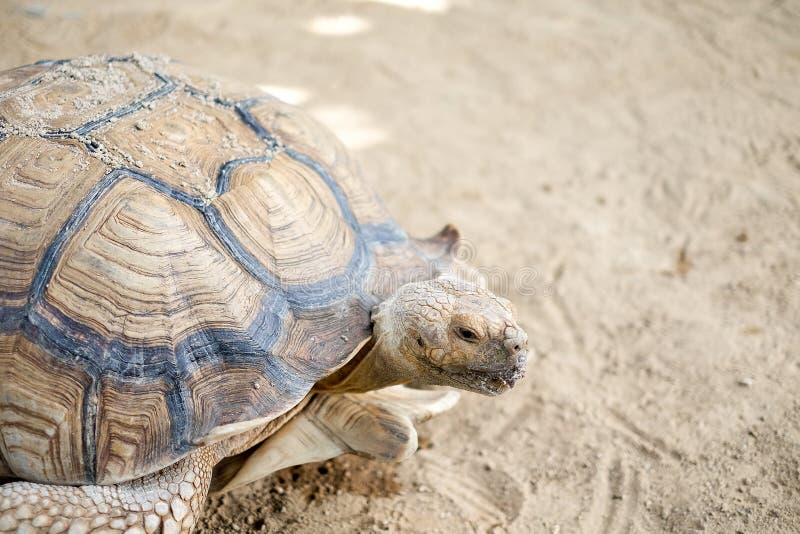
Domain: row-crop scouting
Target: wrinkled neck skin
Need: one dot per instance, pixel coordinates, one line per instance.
(379, 364)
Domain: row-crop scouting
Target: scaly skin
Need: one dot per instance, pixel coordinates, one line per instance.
(168, 501)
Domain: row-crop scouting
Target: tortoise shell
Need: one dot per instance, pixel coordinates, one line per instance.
(177, 254)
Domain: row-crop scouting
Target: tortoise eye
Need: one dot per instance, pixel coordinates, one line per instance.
(466, 334)
(420, 342)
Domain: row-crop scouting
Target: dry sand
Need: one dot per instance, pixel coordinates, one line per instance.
(642, 159)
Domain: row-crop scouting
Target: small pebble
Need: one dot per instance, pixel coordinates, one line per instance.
(745, 382)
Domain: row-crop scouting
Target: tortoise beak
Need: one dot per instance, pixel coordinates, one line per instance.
(495, 383)
(500, 376)
(511, 362)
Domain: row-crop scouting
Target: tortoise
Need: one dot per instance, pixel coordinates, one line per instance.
(197, 289)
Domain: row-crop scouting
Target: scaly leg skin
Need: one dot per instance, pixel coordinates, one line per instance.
(168, 501)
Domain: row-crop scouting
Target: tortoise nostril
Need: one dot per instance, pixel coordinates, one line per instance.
(514, 347)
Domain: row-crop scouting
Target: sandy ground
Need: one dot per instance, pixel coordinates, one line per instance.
(631, 173)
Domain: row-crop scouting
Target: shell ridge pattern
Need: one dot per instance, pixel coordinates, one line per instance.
(76, 219)
(98, 355)
(383, 232)
(341, 284)
(224, 174)
(167, 87)
(299, 295)
(9, 314)
(243, 109)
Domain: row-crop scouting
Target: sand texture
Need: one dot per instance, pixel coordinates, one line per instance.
(628, 173)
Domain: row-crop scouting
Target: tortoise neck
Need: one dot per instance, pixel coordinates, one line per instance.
(377, 365)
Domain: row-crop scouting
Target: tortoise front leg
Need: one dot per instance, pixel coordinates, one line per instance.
(378, 425)
(167, 501)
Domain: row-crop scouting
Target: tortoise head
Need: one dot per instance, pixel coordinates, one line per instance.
(454, 333)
